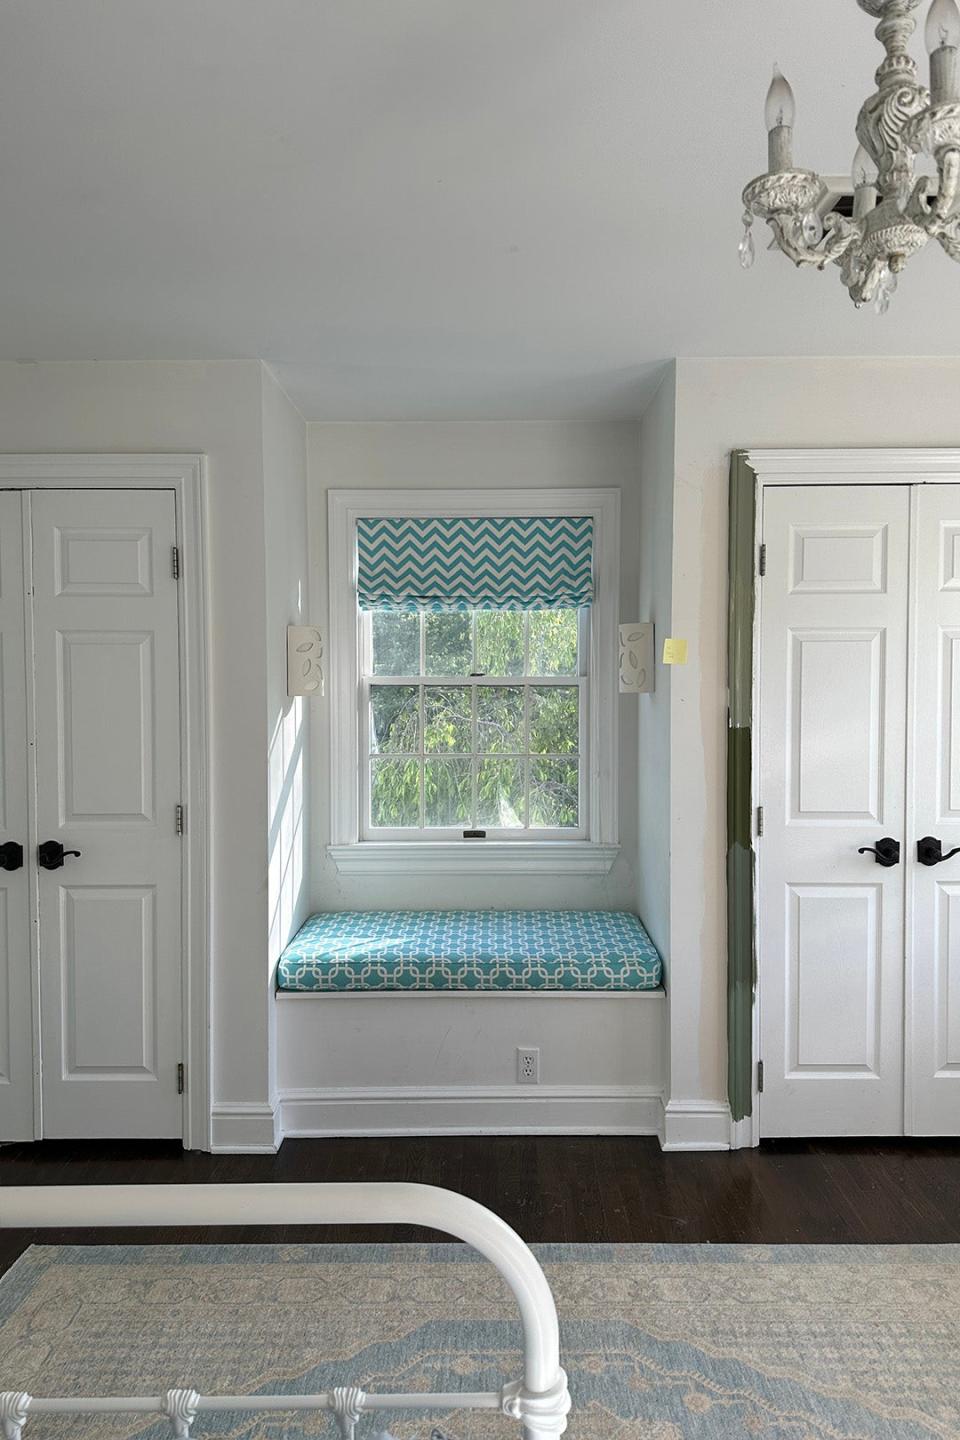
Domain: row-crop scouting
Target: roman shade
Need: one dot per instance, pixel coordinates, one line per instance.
(536, 562)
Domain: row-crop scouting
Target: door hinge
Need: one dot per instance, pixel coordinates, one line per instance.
(178, 819)
(762, 565)
(759, 820)
(181, 1078)
(759, 1077)
(175, 561)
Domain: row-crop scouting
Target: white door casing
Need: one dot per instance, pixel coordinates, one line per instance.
(107, 724)
(832, 745)
(933, 1069)
(16, 979)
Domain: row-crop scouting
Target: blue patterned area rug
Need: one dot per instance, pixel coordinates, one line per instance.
(662, 1342)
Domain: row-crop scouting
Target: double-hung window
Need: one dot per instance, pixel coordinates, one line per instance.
(483, 689)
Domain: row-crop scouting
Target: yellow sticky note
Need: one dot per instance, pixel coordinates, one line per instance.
(674, 652)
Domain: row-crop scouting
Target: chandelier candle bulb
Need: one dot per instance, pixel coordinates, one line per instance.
(780, 113)
(943, 37)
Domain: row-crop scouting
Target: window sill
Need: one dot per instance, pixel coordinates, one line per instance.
(474, 857)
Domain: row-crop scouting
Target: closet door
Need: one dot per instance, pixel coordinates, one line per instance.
(16, 1002)
(108, 765)
(933, 1066)
(833, 678)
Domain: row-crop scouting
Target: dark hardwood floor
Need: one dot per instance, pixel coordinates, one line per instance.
(555, 1188)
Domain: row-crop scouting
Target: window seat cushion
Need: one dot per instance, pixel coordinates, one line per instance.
(470, 950)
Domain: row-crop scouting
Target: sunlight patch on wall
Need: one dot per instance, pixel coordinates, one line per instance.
(287, 839)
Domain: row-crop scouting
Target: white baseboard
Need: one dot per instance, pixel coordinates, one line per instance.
(696, 1125)
(245, 1128)
(745, 1133)
(472, 1110)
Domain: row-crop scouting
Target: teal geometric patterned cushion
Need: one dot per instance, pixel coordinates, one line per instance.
(470, 950)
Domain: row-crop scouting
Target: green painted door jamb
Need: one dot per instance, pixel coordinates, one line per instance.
(741, 955)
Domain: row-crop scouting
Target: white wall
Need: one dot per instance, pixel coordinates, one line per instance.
(723, 405)
(473, 455)
(214, 409)
(655, 569)
(655, 549)
(287, 589)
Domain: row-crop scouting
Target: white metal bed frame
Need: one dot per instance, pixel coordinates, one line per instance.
(539, 1401)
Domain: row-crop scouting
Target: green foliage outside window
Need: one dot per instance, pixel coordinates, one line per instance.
(489, 752)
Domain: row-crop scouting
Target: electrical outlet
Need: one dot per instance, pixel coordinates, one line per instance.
(528, 1065)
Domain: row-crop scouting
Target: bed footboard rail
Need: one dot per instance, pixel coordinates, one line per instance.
(539, 1400)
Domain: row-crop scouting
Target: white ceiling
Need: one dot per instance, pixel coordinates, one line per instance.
(425, 208)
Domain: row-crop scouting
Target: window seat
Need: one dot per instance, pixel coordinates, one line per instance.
(470, 950)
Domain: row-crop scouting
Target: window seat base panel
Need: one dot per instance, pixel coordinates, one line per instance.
(470, 950)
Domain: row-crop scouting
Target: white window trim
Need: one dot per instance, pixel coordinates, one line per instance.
(492, 857)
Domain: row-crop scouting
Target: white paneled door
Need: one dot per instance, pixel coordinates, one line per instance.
(16, 1003)
(103, 854)
(833, 668)
(858, 892)
(933, 950)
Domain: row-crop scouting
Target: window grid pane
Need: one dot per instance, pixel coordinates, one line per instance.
(553, 777)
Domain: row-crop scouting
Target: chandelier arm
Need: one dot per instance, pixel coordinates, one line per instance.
(839, 235)
(948, 166)
(932, 203)
(918, 207)
(950, 240)
(786, 200)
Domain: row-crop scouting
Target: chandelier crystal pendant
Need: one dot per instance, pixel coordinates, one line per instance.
(895, 213)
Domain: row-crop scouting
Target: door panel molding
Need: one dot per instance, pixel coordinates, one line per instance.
(834, 1048)
(132, 756)
(99, 1044)
(815, 655)
(947, 978)
(185, 475)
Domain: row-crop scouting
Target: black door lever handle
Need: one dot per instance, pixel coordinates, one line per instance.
(11, 855)
(50, 854)
(930, 851)
(886, 852)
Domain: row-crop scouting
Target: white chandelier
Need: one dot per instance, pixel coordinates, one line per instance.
(894, 213)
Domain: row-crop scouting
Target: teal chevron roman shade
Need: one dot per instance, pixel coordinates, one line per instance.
(535, 562)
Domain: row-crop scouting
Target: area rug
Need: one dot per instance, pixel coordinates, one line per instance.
(661, 1342)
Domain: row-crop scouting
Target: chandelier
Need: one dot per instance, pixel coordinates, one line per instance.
(894, 212)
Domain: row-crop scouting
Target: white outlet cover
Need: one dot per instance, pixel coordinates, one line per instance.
(528, 1065)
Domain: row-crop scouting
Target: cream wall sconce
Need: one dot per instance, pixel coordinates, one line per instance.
(637, 675)
(304, 660)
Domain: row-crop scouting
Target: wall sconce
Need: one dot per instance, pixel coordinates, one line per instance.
(637, 675)
(304, 660)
